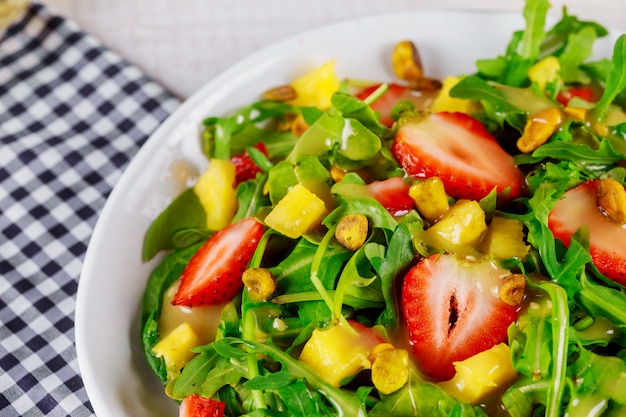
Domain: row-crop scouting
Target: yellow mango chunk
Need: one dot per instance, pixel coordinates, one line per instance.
(444, 102)
(430, 198)
(461, 226)
(545, 71)
(505, 239)
(316, 87)
(296, 213)
(175, 348)
(337, 353)
(480, 375)
(216, 191)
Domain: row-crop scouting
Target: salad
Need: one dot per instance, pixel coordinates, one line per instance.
(406, 247)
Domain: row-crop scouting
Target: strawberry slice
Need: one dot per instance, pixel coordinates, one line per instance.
(452, 311)
(392, 194)
(213, 275)
(245, 168)
(584, 93)
(385, 103)
(607, 239)
(197, 406)
(461, 152)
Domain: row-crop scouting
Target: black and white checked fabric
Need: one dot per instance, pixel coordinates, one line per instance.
(72, 115)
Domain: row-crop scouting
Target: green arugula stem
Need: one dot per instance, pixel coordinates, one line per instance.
(382, 89)
(255, 262)
(249, 334)
(560, 341)
(315, 267)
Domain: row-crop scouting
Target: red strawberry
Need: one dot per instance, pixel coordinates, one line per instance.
(197, 406)
(393, 194)
(245, 168)
(369, 335)
(452, 311)
(385, 103)
(584, 93)
(607, 238)
(213, 275)
(459, 150)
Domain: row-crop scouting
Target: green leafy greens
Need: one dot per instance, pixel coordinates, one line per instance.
(568, 345)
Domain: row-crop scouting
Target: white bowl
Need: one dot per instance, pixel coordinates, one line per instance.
(116, 376)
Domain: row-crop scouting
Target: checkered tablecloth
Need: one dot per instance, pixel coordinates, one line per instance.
(72, 115)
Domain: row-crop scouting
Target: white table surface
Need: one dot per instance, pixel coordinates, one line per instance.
(185, 43)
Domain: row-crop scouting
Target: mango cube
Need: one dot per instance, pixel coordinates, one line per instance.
(430, 198)
(296, 213)
(462, 225)
(216, 191)
(445, 102)
(175, 348)
(337, 353)
(505, 239)
(316, 87)
(545, 71)
(478, 376)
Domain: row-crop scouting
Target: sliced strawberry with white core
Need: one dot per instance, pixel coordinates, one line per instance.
(458, 149)
(607, 239)
(213, 275)
(452, 311)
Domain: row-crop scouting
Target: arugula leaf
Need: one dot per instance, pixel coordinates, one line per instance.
(578, 48)
(389, 262)
(343, 402)
(351, 107)
(280, 179)
(475, 88)
(353, 198)
(557, 37)
(224, 373)
(228, 395)
(184, 213)
(250, 197)
(293, 277)
(601, 300)
(333, 134)
(527, 52)
(616, 81)
(149, 338)
(230, 321)
(162, 277)
(293, 273)
(580, 154)
(308, 171)
(271, 381)
(415, 398)
(357, 273)
(229, 135)
(530, 341)
(302, 401)
(539, 349)
(535, 12)
(195, 373)
(598, 384)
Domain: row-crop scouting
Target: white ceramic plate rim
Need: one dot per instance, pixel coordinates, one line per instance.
(114, 372)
